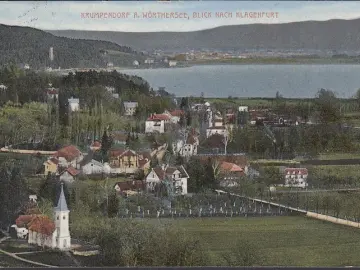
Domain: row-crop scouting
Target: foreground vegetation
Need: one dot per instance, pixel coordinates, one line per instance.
(271, 241)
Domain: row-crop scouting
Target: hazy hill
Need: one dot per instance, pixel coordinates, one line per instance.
(22, 45)
(324, 35)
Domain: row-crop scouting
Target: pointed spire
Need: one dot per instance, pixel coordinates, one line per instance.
(62, 205)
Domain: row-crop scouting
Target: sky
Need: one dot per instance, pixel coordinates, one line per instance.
(68, 15)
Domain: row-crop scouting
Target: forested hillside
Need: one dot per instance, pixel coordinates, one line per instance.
(20, 45)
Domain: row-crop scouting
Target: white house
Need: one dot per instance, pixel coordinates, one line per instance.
(130, 107)
(178, 175)
(91, 166)
(156, 123)
(52, 93)
(174, 115)
(3, 87)
(296, 177)
(187, 148)
(135, 63)
(243, 108)
(110, 65)
(172, 63)
(26, 66)
(149, 61)
(221, 130)
(68, 175)
(74, 104)
(110, 89)
(21, 232)
(54, 234)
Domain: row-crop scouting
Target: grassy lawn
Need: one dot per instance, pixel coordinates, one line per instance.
(335, 170)
(7, 261)
(283, 241)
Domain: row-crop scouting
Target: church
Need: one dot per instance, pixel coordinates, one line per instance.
(45, 232)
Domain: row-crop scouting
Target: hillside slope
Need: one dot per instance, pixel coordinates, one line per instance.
(310, 35)
(22, 45)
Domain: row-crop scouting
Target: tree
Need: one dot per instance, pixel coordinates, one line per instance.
(327, 106)
(13, 192)
(113, 206)
(47, 190)
(106, 143)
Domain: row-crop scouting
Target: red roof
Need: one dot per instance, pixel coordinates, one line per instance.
(96, 144)
(24, 220)
(52, 91)
(122, 152)
(297, 171)
(53, 160)
(158, 117)
(69, 152)
(131, 185)
(42, 224)
(177, 113)
(230, 167)
(72, 171)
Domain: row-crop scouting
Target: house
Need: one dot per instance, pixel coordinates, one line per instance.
(45, 232)
(130, 107)
(190, 147)
(157, 123)
(123, 161)
(95, 146)
(110, 89)
(130, 187)
(115, 95)
(177, 175)
(149, 61)
(230, 173)
(135, 63)
(110, 64)
(74, 104)
(51, 166)
(69, 175)
(144, 159)
(26, 66)
(89, 166)
(174, 115)
(243, 108)
(3, 87)
(52, 93)
(296, 177)
(216, 130)
(172, 63)
(69, 156)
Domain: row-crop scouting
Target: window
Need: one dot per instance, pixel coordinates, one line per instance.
(57, 217)
(64, 217)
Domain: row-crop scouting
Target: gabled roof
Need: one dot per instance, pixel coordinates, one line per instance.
(24, 220)
(169, 170)
(71, 170)
(230, 167)
(69, 152)
(42, 224)
(53, 160)
(96, 144)
(301, 171)
(131, 185)
(130, 104)
(177, 113)
(158, 117)
(52, 91)
(62, 205)
(122, 153)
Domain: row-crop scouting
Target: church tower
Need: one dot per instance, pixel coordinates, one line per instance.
(61, 217)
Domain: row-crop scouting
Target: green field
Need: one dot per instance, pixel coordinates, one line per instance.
(336, 170)
(283, 241)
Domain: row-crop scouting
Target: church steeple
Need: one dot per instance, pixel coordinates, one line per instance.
(62, 205)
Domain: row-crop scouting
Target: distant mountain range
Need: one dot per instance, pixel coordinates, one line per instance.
(25, 45)
(310, 35)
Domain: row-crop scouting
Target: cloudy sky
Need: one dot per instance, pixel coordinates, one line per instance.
(67, 15)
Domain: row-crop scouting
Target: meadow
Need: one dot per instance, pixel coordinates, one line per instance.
(280, 241)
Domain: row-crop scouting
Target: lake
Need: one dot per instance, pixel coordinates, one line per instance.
(297, 81)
